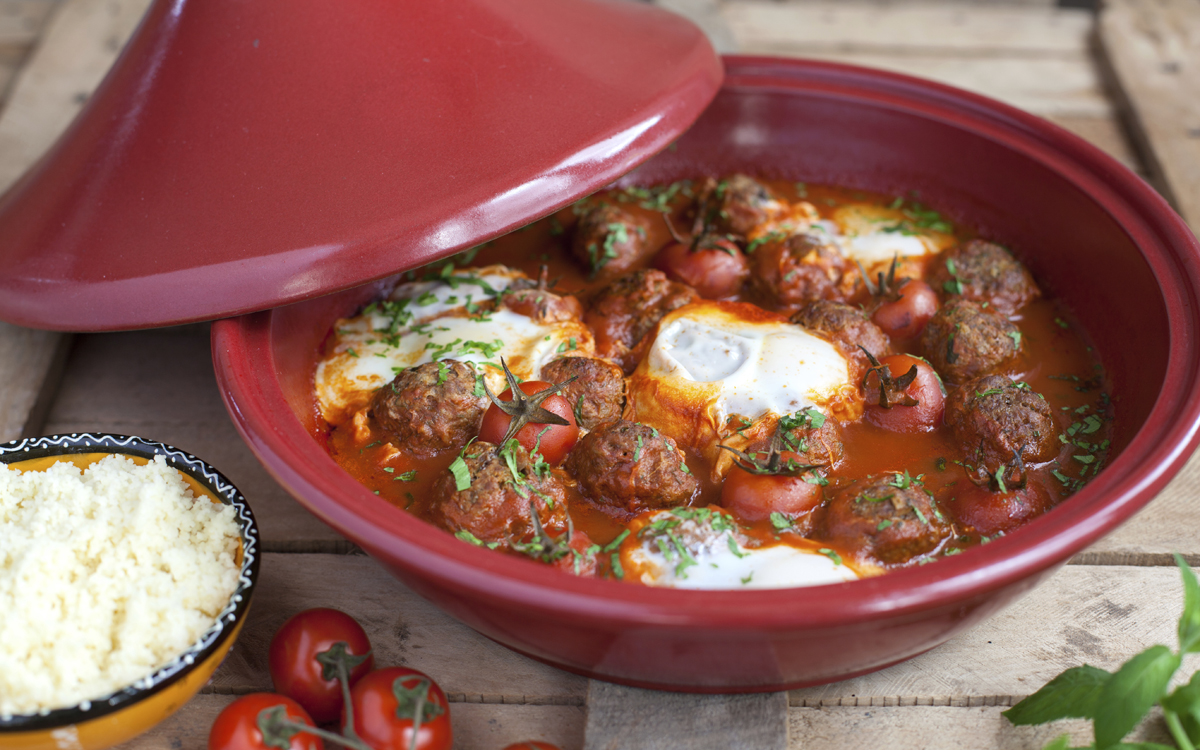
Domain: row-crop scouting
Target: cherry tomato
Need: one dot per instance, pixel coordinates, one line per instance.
(716, 270)
(236, 727)
(926, 415)
(385, 723)
(989, 513)
(292, 659)
(906, 317)
(557, 441)
(754, 497)
(531, 745)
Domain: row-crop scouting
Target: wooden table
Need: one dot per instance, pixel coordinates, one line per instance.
(1128, 79)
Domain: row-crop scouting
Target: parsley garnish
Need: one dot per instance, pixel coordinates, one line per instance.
(462, 474)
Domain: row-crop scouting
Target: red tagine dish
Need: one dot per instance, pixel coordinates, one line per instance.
(998, 367)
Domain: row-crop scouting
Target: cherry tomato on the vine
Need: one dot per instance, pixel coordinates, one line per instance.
(715, 269)
(295, 669)
(552, 441)
(926, 389)
(237, 727)
(754, 497)
(905, 317)
(385, 703)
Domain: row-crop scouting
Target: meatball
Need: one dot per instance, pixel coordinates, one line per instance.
(629, 308)
(1002, 425)
(789, 273)
(848, 328)
(885, 520)
(431, 407)
(609, 240)
(740, 203)
(496, 506)
(985, 272)
(597, 396)
(628, 467)
(963, 340)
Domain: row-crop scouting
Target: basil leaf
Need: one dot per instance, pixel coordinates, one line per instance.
(1140, 746)
(1071, 695)
(1131, 692)
(1189, 622)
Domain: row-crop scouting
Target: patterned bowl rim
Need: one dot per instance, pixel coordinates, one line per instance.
(211, 639)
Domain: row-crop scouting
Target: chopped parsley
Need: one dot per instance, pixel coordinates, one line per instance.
(462, 474)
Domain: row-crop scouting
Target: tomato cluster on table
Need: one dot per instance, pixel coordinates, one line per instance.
(318, 659)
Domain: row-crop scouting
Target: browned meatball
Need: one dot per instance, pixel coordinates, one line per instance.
(789, 273)
(739, 204)
(495, 507)
(598, 395)
(430, 407)
(963, 340)
(609, 240)
(1001, 425)
(985, 272)
(626, 310)
(848, 327)
(886, 520)
(628, 467)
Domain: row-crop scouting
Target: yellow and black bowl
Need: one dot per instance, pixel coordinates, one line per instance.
(109, 720)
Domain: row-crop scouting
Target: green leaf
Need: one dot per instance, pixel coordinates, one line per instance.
(1185, 702)
(1189, 621)
(462, 474)
(1141, 746)
(1131, 692)
(1071, 695)
(1061, 742)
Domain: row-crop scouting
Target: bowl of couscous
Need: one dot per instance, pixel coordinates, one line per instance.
(121, 588)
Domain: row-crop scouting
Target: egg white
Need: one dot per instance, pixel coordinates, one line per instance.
(720, 560)
(428, 320)
(873, 235)
(711, 361)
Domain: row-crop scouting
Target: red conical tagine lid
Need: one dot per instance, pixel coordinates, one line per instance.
(243, 155)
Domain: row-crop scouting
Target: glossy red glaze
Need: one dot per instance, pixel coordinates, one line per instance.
(241, 155)
(1093, 233)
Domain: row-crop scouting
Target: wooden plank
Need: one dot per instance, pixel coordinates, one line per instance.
(1151, 50)
(476, 726)
(959, 29)
(77, 49)
(403, 628)
(1097, 615)
(31, 364)
(623, 717)
(939, 728)
(160, 384)
(21, 21)
(1167, 525)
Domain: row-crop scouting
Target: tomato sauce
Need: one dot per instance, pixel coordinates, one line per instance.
(1056, 361)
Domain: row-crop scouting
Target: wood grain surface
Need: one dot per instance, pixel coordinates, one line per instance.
(1117, 598)
(1151, 49)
